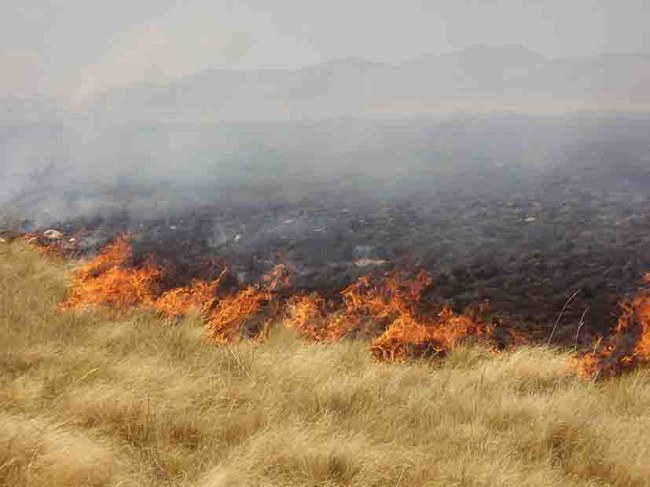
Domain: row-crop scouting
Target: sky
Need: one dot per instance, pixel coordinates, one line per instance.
(75, 49)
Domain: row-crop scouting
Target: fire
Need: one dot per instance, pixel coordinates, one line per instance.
(398, 325)
(250, 312)
(197, 295)
(386, 310)
(367, 307)
(390, 311)
(108, 280)
(105, 280)
(410, 337)
(278, 278)
(113, 255)
(627, 347)
(234, 316)
(313, 317)
(397, 293)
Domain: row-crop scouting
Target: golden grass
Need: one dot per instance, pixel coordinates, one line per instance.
(91, 399)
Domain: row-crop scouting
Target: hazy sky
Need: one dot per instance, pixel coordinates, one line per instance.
(77, 48)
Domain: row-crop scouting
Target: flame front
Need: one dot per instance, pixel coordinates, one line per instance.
(409, 336)
(389, 311)
(627, 347)
(105, 280)
(198, 295)
(228, 322)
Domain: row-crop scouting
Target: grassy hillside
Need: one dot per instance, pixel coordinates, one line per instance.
(92, 399)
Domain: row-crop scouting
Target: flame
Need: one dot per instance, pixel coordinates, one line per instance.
(113, 255)
(397, 293)
(105, 281)
(410, 337)
(627, 347)
(390, 311)
(239, 315)
(367, 307)
(179, 301)
(228, 321)
(278, 278)
(314, 319)
(408, 331)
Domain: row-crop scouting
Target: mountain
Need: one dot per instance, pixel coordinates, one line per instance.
(475, 80)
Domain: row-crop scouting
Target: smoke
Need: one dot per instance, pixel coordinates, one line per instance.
(339, 133)
(80, 167)
(514, 209)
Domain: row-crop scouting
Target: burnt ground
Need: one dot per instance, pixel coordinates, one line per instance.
(522, 238)
(525, 255)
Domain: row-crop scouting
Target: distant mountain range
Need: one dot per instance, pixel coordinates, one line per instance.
(509, 79)
(475, 80)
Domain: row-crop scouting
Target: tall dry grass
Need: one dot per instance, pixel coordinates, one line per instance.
(93, 399)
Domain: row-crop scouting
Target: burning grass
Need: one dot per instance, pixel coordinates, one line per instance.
(389, 311)
(198, 295)
(629, 344)
(94, 399)
(106, 280)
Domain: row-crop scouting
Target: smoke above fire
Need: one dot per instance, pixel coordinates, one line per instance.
(517, 212)
(83, 167)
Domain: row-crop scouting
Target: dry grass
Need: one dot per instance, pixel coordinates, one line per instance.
(97, 400)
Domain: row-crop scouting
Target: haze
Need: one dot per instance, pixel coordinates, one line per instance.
(76, 49)
(290, 101)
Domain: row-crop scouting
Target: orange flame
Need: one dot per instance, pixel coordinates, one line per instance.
(310, 316)
(396, 293)
(228, 321)
(197, 295)
(237, 316)
(278, 278)
(409, 337)
(627, 347)
(389, 311)
(104, 281)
